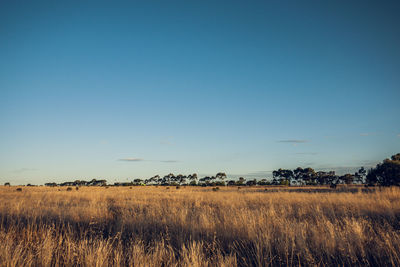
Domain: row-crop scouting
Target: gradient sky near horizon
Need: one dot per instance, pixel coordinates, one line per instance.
(122, 90)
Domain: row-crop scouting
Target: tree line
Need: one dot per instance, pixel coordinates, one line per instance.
(386, 173)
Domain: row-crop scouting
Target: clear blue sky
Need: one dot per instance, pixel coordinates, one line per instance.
(123, 90)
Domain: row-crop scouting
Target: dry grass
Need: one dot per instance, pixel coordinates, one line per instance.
(148, 226)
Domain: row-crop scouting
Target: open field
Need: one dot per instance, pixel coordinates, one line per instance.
(194, 226)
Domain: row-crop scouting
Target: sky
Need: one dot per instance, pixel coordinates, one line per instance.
(122, 90)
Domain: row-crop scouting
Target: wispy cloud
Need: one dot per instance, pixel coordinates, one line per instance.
(167, 141)
(140, 160)
(398, 135)
(131, 159)
(295, 141)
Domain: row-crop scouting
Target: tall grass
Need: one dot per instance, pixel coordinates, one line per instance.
(148, 226)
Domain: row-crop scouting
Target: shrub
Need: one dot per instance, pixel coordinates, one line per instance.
(19, 189)
(69, 189)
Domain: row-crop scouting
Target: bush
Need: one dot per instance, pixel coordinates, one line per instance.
(19, 189)
(69, 189)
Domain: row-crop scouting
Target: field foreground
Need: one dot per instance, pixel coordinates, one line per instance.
(192, 226)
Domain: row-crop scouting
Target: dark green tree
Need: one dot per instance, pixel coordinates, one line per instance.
(138, 181)
(284, 176)
(347, 178)
(360, 175)
(241, 181)
(220, 175)
(305, 176)
(386, 173)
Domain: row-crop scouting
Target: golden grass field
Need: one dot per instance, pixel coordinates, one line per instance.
(194, 226)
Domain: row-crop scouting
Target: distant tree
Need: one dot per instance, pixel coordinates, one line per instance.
(219, 183)
(93, 182)
(298, 175)
(284, 182)
(251, 182)
(206, 181)
(284, 176)
(263, 182)
(82, 183)
(332, 178)
(396, 157)
(324, 178)
(101, 182)
(156, 179)
(168, 179)
(360, 175)
(7, 184)
(241, 181)
(220, 175)
(309, 176)
(231, 182)
(386, 173)
(67, 184)
(181, 179)
(347, 178)
(138, 181)
(192, 177)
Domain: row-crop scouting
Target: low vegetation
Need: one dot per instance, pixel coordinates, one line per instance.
(199, 226)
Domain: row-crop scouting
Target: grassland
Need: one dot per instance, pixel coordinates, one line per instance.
(192, 226)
